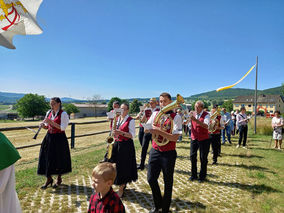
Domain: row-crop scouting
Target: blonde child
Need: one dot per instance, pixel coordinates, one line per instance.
(104, 199)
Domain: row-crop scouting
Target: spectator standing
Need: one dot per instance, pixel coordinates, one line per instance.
(277, 125)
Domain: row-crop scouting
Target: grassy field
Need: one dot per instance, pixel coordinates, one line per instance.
(4, 107)
(249, 180)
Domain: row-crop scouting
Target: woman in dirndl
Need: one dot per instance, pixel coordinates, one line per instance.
(123, 153)
(54, 156)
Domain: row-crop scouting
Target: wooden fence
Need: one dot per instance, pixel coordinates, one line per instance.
(72, 137)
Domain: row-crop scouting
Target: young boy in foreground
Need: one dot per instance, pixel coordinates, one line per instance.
(104, 199)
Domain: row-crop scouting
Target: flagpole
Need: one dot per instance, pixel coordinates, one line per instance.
(255, 94)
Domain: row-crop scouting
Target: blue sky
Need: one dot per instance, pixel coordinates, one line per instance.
(140, 48)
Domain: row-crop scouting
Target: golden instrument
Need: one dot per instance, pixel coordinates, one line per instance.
(214, 123)
(161, 117)
(110, 138)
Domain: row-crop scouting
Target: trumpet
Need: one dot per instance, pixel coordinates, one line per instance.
(161, 117)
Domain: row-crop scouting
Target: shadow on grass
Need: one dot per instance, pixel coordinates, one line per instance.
(145, 200)
(189, 173)
(248, 167)
(183, 147)
(243, 156)
(73, 189)
(254, 188)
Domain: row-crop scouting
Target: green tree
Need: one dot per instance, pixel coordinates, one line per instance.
(32, 105)
(205, 104)
(134, 106)
(109, 104)
(70, 108)
(282, 89)
(228, 105)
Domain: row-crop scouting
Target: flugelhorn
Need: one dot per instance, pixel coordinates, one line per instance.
(161, 117)
(212, 127)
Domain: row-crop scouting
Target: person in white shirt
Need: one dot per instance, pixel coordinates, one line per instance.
(54, 156)
(277, 125)
(242, 121)
(123, 153)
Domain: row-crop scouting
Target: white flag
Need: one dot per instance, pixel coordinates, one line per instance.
(18, 17)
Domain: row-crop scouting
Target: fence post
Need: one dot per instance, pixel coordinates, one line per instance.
(72, 135)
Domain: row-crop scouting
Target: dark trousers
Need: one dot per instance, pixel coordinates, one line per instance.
(216, 145)
(145, 144)
(141, 135)
(243, 132)
(203, 147)
(164, 161)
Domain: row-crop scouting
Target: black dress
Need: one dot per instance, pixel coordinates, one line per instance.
(124, 156)
(54, 156)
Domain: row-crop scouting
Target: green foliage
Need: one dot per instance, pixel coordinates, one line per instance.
(206, 104)
(113, 99)
(70, 108)
(134, 106)
(282, 89)
(32, 105)
(228, 105)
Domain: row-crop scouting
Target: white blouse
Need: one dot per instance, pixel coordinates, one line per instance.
(64, 119)
(131, 125)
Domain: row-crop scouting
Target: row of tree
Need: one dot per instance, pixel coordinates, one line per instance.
(32, 105)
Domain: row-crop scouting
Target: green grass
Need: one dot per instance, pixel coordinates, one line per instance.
(4, 107)
(260, 176)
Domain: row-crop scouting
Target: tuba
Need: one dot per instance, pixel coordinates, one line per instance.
(161, 117)
(212, 127)
(110, 138)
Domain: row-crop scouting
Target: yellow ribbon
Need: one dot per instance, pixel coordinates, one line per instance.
(4, 7)
(228, 87)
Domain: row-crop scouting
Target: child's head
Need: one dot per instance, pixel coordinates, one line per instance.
(103, 176)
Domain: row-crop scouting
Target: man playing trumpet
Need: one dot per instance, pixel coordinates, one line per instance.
(199, 140)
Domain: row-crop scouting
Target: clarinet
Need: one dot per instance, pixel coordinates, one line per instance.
(35, 136)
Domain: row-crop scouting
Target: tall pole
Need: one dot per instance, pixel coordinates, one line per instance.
(255, 94)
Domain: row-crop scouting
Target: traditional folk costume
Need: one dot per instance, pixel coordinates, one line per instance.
(163, 158)
(54, 156)
(123, 153)
(199, 140)
(9, 201)
(215, 138)
(147, 137)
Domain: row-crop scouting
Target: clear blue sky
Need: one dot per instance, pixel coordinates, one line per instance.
(140, 48)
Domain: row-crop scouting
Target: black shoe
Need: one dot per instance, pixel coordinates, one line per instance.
(201, 180)
(230, 142)
(214, 162)
(50, 181)
(140, 167)
(192, 178)
(155, 210)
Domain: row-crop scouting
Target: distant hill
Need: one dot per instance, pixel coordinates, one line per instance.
(233, 93)
(11, 98)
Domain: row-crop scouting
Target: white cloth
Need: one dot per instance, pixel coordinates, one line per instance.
(206, 119)
(177, 122)
(9, 201)
(227, 118)
(18, 19)
(131, 126)
(64, 119)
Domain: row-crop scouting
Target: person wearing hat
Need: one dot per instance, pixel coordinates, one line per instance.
(147, 137)
(9, 201)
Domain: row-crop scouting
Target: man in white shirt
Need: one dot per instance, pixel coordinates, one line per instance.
(242, 121)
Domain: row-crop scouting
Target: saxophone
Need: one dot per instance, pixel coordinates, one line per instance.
(110, 138)
(161, 117)
(212, 127)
